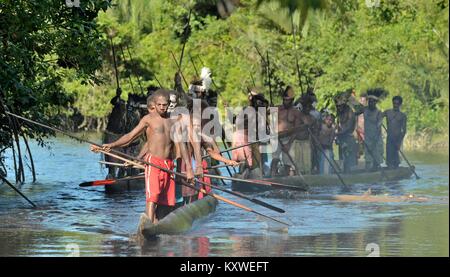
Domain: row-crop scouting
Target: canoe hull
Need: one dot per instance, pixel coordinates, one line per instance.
(329, 180)
(178, 221)
(127, 185)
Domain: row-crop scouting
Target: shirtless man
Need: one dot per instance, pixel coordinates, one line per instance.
(396, 130)
(373, 150)
(210, 147)
(344, 134)
(159, 185)
(308, 122)
(289, 118)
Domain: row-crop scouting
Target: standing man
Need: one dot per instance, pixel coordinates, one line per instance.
(360, 125)
(373, 118)
(326, 139)
(304, 149)
(289, 120)
(159, 185)
(396, 130)
(346, 127)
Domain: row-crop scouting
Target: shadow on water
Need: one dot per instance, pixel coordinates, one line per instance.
(73, 221)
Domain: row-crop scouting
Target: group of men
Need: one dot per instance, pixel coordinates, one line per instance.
(309, 149)
(175, 141)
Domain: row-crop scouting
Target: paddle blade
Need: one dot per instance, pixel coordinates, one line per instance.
(264, 204)
(97, 183)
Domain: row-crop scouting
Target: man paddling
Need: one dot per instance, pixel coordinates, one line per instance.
(159, 185)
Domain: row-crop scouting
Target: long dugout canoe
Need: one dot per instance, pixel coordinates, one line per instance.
(329, 180)
(178, 221)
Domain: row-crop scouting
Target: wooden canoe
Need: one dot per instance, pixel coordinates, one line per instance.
(125, 185)
(178, 221)
(132, 184)
(360, 177)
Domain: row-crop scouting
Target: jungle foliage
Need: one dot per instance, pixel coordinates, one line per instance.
(399, 45)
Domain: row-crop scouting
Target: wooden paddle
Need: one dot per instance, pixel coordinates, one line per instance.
(257, 182)
(109, 181)
(256, 201)
(130, 157)
(335, 167)
(383, 173)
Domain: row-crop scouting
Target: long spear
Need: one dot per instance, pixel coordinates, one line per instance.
(296, 56)
(179, 69)
(115, 63)
(186, 33)
(129, 76)
(16, 190)
(270, 81)
(137, 75)
(256, 201)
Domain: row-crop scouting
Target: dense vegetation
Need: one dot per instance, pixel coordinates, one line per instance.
(399, 45)
(38, 40)
(56, 62)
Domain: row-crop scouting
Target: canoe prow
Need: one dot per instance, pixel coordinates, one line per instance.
(178, 221)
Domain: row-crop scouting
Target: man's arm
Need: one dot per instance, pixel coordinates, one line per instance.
(180, 142)
(126, 139)
(404, 126)
(379, 121)
(194, 132)
(213, 150)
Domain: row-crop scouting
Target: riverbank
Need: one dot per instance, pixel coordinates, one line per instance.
(426, 142)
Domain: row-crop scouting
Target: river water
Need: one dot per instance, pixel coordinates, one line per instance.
(72, 221)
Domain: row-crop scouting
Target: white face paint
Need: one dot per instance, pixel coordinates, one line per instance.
(173, 102)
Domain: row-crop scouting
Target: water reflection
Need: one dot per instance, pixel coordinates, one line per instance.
(104, 225)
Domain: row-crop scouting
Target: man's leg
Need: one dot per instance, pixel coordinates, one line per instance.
(368, 154)
(275, 160)
(389, 152)
(152, 212)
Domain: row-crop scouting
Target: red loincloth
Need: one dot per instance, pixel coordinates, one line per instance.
(205, 180)
(159, 186)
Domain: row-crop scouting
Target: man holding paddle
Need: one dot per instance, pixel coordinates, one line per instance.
(159, 185)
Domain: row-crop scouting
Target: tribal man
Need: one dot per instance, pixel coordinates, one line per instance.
(159, 184)
(396, 130)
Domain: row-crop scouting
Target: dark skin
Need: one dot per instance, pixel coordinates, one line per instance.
(157, 127)
(372, 104)
(288, 118)
(396, 122)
